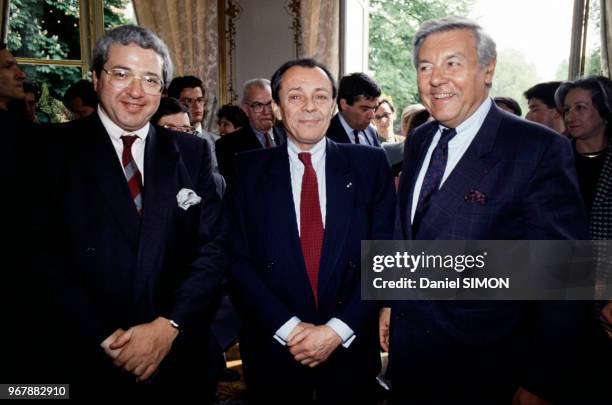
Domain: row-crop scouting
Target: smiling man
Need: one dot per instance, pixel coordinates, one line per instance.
(298, 215)
(136, 236)
(483, 352)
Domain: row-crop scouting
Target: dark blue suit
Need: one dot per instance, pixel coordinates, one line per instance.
(115, 269)
(268, 275)
(480, 352)
(337, 133)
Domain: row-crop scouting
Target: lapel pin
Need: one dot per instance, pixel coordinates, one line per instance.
(349, 185)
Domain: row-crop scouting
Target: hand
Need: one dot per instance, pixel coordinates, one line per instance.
(143, 347)
(383, 328)
(315, 345)
(524, 397)
(291, 341)
(606, 318)
(109, 340)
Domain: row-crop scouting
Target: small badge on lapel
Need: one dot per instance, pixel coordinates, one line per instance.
(186, 198)
(475, 196)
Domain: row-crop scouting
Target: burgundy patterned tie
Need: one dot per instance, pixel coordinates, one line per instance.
(132, 174)
(267, 140)
(311, 222)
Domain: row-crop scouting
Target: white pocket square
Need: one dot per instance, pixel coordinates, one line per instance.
(186, 198)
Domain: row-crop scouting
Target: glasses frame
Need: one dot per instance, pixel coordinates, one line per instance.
(131, 77)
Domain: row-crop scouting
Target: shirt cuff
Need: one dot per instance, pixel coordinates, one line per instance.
(284, 331)
(342, 329)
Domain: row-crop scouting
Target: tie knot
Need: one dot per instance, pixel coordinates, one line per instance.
(305, 158)
(128, 140)
(447, 135)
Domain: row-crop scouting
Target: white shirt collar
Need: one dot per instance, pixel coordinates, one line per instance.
(115, 131)
(317, 152)
(474, 121)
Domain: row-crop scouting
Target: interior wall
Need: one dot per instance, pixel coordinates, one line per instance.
(264, 39)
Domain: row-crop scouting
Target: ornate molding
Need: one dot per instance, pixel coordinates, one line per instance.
(229, 12)
(294, 9)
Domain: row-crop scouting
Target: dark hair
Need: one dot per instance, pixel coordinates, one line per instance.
(355, 85)
(183, 82)
(510, 103)
(2, 45)
(544, 92)
(169, 106)
(308, 63)
(82, 89)
(233, 114)
(601, 94)
(131, 34)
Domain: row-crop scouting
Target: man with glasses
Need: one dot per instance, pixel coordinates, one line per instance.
(259, 134)
(136, 257)
(358, 96)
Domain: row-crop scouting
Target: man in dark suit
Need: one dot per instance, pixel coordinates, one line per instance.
(136, 253)
(480, 352)
(358, 97)
(260, 133)
(299, 213)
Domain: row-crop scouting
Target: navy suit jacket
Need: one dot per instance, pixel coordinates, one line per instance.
(239, 141)
(336, 132)
(113, 268)
(527, 174)
(267, 271)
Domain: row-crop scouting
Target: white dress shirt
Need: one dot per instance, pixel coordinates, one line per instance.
(115, 133)
(262, 139)
(364, 139)
(296, 168)
(466, 132)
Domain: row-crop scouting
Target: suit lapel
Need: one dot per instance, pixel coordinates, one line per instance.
(340, 197)
(160, 188)
(477, 161)
(413, 160)
(111, 179)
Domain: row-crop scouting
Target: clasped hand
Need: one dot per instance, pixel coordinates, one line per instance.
(311, 345)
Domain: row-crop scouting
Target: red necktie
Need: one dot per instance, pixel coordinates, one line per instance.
(311, 222)
(267, 140)
(132, 174)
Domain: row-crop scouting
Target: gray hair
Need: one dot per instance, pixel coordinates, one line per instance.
(131, 34)
(485, 46)
(261, 83)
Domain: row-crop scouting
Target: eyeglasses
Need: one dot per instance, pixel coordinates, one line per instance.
(121, 79)
(380, 117)
(187, 129)
(192, 101)
(259, 107)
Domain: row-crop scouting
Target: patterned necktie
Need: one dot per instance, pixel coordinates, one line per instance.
(356, 133)
(433, 176)
(267, 140)
(132, 174)
(311, 222)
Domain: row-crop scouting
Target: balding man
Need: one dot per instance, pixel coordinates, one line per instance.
(259, 134)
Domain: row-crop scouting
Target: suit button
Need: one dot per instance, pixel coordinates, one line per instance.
(269, 266)
(339, 302)
(352, 264)
(90, 250)
(400, 316)
(428, 332)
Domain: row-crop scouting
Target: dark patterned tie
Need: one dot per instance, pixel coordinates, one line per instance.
(356, 133)
(311, 222)
(132, 174)
(267, 140)
(433, 177)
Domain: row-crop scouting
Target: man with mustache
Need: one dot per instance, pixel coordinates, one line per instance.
(298, 215)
